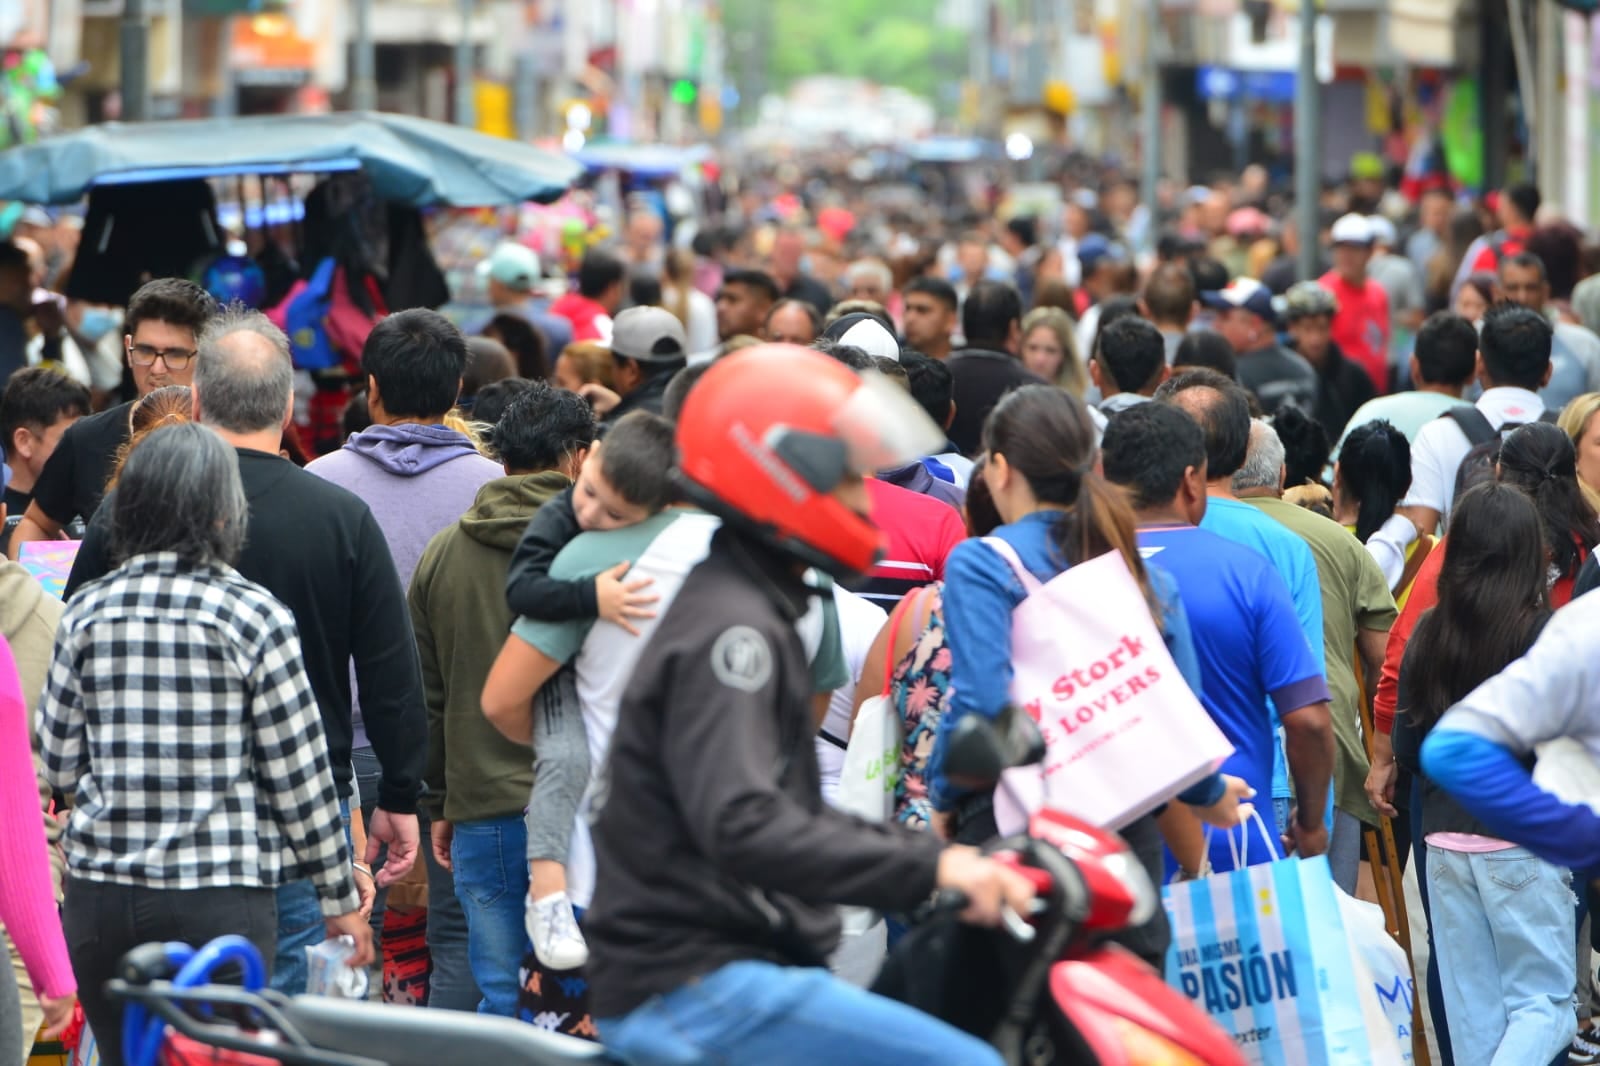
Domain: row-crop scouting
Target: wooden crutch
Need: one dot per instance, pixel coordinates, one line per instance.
(1389, 881)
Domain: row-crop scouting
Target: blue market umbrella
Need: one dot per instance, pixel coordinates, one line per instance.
(412, 161)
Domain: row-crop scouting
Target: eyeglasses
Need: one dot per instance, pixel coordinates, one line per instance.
(144, 355)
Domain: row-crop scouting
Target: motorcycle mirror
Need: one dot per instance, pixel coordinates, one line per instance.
(979, 750)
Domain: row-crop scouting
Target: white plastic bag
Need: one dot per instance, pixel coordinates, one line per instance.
(872, 761)
(330, 972)
(1384, 977)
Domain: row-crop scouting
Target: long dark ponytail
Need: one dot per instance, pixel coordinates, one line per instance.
(1047, 436)
(1375, 470)
(1540, 459)
(1492, 598)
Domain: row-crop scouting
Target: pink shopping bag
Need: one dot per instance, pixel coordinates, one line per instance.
(1124, 733)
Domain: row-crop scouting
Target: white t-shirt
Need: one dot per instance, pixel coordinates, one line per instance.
(604, 667)
(1442, 444)
(605, 660)
(702, 329)
(860, 622)
(1088, 326)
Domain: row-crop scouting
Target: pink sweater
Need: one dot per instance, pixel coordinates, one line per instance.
(27, 905)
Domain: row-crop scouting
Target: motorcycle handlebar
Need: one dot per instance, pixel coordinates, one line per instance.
(954, 901)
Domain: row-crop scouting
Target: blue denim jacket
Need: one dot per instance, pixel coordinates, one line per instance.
(980, 592)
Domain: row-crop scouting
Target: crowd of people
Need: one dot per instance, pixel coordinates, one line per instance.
(538, 688)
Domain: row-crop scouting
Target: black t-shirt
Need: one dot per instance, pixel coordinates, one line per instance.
(317, 548)
(980, 379)
(1342, 387)
(72, 482)
(16, 504)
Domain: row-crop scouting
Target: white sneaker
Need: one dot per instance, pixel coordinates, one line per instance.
(552, 927)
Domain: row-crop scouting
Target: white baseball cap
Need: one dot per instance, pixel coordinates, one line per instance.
(1383, 231)
(1353, 229)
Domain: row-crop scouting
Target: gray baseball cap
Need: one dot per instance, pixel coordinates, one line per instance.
(649, 335)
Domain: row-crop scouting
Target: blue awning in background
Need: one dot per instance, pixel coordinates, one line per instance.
(1265, 86)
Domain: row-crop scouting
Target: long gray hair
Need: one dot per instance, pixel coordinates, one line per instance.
(179, 492)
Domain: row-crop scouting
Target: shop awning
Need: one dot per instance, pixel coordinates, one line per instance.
(410, 160)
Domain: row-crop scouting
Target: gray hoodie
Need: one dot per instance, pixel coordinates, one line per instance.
(417, 480)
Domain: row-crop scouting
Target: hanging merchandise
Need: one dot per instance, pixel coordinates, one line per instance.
(28, 87)
(132, 233)
(414, 277)
(233, 279)
(1461, 133)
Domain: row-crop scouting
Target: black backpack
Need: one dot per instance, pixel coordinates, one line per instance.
(1478, 466)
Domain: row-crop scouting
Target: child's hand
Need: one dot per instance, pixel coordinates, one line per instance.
(621, 601)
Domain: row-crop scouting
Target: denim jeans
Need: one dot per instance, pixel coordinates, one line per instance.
(1419, 859)
(1344, 851)
(491, 883)
(450, 985)
(777, 1015)
(1505, 921)
(368, 774)
(300, 926)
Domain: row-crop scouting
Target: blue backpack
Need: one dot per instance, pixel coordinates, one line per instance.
(306, 320)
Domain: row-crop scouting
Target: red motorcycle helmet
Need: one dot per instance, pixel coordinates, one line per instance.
(768, 433)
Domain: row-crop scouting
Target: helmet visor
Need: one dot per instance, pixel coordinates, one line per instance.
(882, 427)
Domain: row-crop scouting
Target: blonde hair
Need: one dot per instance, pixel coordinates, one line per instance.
(1575, 418)
(591, 360)
(473, 431)
(677, 278)
(1072, 376)
(170, 405)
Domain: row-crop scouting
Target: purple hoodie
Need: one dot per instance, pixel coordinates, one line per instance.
(416, 479)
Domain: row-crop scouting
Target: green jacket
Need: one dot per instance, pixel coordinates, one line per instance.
(459, 611)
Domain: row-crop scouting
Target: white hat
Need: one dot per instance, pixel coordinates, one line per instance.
(867, 333)
(1353, 229)
(1383, 231)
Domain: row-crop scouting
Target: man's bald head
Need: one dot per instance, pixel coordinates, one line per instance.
(793, 322)
(1223, 411)
(244, 377)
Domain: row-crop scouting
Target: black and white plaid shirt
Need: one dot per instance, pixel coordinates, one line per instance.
(179, 712)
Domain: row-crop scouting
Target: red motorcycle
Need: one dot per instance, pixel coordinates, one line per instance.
(1051, 988)
(1046, 989)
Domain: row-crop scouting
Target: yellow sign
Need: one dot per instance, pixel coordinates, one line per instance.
(491, 102)
(710, 114)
